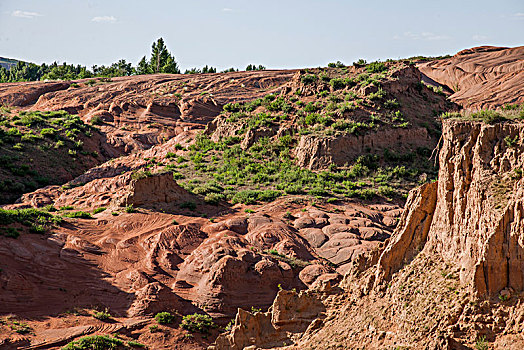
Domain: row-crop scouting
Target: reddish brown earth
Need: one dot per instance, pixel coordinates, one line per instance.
(481, 77)
(419, 287)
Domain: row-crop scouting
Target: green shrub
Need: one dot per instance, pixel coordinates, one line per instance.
(95, 342)
(232, 107)
(78, 214)
(9, 232)
(214, 198)
(130, 209)
(136, 175)
(99, 210)
(198, 323)
(337, 64)
(360, 63)
(376, 67)
(28, 217)
(164, 317)
(379, 94)
(488, 116)
(96, 120)
(308, 79)
(135, 344)
(102, 315)
(337, 83)
(188, 205)
(48, 132)
(20, 327)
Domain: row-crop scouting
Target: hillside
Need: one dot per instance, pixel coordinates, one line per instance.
(7, 62)
(481, 77)
(207, 193)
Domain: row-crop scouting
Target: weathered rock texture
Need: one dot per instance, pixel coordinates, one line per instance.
(474, 217)
(481, 77)
(316, 152)
(290, 314)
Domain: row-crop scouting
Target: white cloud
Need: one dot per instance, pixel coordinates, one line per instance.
(25, 14)
(227, 9)
(420, 36)
(519, 15)
(479, 37)
(104, 19)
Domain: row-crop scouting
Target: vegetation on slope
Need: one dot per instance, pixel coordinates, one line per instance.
(509, 112)
(34, 146)
(326, 102)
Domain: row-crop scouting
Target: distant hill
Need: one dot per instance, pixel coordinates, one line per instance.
(7, 62)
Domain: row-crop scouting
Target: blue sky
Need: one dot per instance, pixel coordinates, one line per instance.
(278, 34)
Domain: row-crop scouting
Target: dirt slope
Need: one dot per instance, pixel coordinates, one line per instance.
(481, 77)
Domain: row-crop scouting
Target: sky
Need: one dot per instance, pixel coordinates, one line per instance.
(234, 33)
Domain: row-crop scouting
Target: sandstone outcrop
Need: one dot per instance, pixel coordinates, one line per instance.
(316, 152)
(290, 315)
(481, 77)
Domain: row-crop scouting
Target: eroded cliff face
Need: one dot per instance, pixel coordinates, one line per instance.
(477, 217)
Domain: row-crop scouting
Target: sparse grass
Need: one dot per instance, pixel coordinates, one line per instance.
(489, 116)
(292, 261)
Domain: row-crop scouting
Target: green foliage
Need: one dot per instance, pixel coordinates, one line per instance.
(135, 344)
(481, 343)
(130, 209)
(488, 116)
(252, 196)
(95, 342)
(379, 94)
(188, 205)
(20, 327)
(360, 63)
(337, 83)
(79, 215)
(99, 210)
(511, 142)
(206, 69)
(36, 220)
(337, 64)
(309, 79)
(142, 174)
(198, 323)
(102, 315)
(164, 317)
(162, 61)
(252, 67)
(376, 67)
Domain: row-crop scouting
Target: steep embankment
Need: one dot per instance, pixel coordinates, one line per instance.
(481, 77)
(452, 272)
